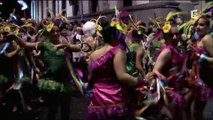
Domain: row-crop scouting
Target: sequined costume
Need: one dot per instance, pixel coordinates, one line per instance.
(173, 67)
(203, 76)
(109, 101)
(56, 71)
(208, 68)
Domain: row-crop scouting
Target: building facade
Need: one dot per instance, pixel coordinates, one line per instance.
(86, 9)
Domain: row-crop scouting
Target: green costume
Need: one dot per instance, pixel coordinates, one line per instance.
(54, 61)
(3, 80)
(56, 71)
(131, 61)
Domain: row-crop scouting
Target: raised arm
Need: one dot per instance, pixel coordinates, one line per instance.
(139, 57)
(74, 47)
(11, 54)
(204, 58)
(162, 59)
(119, 66)
(28, 45)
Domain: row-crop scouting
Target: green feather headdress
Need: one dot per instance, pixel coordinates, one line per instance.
(187, 26)
(156, 22)
(167, 26)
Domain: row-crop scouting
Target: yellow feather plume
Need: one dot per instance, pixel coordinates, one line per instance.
(171, 14)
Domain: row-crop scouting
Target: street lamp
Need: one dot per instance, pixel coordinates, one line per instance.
(1, 5)
(23, 4)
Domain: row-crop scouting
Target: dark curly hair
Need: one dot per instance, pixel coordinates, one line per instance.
(108, 32)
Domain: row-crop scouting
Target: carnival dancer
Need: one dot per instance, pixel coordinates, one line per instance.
(134, 62)
(18, 95)
(56, 72)
(154, 42)
(109, 101)
(202, 68)
(206, 44)
(8, 58)
(135, 55)
(167, 68)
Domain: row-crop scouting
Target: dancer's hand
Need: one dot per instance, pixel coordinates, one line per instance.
(86, 47)
(37, 70)
(168, 89)
(36, 53)
(202, 58)
(190, 46)
(150, 76)
(85, 85)
(197, 56)
(159, 75)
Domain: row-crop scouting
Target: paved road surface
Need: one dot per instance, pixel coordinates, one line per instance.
(78, 111)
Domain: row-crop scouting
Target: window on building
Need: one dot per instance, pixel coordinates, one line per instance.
(75, 6)
(53, 6)
(127, 3)
(94, 4)
(64, 7)
(41, 3)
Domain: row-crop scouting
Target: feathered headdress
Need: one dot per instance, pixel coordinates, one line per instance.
(157, 22)
(208, 7)
(14, 28)
(187, 26)
(118, 22)
(138, 32)
(59, 20)
(96, 27)
(50, 26)
(10, 28)
(167, 25)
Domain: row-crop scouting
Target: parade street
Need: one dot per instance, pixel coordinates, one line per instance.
(106, 59)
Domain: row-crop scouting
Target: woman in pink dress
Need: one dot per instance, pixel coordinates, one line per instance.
(202, 69)
(168, 65)
(109, 80)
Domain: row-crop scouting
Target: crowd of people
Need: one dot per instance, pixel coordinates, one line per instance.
(129, 71)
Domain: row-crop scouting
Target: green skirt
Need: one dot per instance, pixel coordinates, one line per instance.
(3, 80)
(54, 87)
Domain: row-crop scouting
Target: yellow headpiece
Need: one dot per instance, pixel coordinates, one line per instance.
(167, 25)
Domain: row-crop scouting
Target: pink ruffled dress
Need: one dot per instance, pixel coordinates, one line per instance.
(109, 101)
(174, 66)
(204, 76)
